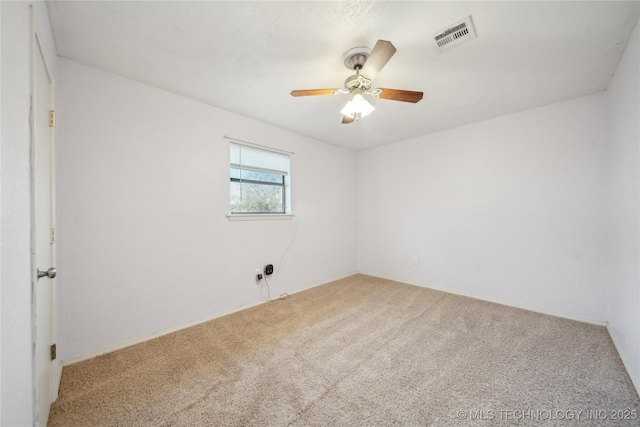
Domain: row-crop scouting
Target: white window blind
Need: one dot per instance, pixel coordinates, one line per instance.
(250, 158)
(259, 181)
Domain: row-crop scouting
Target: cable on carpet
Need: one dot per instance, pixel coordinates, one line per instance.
(285, 295)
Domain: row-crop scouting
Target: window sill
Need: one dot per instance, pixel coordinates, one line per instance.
(258, 217)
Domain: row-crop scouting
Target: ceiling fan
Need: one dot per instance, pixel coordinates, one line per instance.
(367, 64)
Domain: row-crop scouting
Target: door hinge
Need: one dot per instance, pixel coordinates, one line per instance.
(52, 118)
(53, 352)
(53, 236)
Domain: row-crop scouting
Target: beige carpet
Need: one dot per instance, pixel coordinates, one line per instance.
(358, 351)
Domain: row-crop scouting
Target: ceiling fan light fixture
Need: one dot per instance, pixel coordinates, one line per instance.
(357, 107)
(367, 63)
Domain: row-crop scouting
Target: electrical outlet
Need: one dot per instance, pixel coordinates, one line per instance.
(414, 260)
(268, 269)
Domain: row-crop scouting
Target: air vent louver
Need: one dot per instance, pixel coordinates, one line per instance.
(455, 35)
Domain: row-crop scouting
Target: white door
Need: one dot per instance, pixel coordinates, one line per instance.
(43, 237)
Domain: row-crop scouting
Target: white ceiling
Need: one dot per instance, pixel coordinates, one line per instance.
(246, 57)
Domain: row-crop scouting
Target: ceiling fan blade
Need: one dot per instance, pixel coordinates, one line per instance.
(311, 92)
(400, 95)
(380, 55)
(346, 120)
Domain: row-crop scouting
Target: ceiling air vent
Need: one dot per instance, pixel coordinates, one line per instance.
(454, 35)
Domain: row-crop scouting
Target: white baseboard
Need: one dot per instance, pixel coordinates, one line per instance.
(626, 360)
(57, 379)
(106, 350)
(496, 301)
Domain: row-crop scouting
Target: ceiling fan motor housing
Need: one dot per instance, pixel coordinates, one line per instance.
(351, 82)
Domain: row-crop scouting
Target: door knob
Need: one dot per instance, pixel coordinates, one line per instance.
(50, 273)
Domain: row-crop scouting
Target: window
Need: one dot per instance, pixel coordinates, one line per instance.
(259, 181)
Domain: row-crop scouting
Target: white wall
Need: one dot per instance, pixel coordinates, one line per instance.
(510, 209)
(144, 243)
(623, 214)
(17, 404)
(16, 399)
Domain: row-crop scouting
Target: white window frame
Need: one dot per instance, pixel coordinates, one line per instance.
(287, 185)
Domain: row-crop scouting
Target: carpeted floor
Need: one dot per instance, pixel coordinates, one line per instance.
(359, 351)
